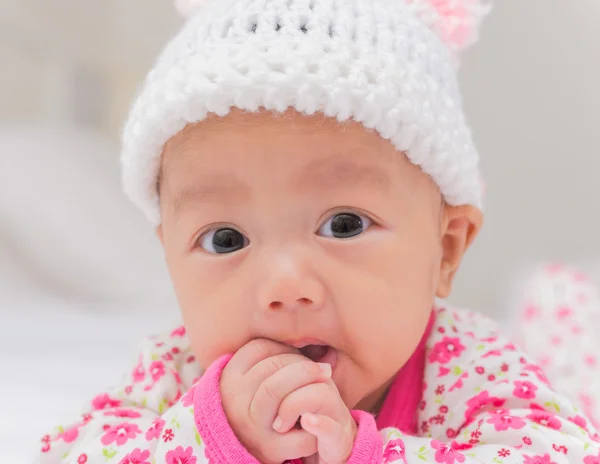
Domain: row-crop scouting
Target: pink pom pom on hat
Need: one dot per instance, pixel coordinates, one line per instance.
(387, 64)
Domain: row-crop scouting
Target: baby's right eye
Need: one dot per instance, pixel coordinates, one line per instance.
(222, 241)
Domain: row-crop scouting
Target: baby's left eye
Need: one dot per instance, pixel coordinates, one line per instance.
(344, 225)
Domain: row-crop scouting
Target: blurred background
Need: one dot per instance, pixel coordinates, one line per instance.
(79, 265)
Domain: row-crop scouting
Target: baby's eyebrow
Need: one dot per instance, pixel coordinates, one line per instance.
(207, 189)
(334, 174)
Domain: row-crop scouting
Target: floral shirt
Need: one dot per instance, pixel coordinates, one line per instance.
(483, 401)
(557, 324)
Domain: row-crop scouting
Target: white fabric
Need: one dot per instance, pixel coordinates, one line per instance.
(67, 229)
(54, 356)
(377, 62)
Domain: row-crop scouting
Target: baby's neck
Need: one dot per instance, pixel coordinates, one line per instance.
(373, 402)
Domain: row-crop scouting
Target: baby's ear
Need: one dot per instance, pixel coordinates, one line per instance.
(460, 225)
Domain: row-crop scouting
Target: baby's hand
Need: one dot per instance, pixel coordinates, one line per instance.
(324, 415)
(257, 383)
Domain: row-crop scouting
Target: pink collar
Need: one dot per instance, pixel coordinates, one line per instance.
(400, 407)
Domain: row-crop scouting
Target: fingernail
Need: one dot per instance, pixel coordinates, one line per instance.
(311, 419)
(277, 424)
(325, 368)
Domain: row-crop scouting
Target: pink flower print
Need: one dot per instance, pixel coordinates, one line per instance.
(564, 312)
(120, 434)
(527, 440)
(545, 459)
(45, 448)
(104, 401)
(82, 459)
(188, 398)
(579, 421)
(459, 382)
(178, 332)
(444, 351)
(139, 373)
(445, 454)
(480, 401)
(554, 268)
(137, 456)
(157, 370)
(394, 451)
(530, 313)
(443, 371)
(180, 456)
(510, 347)
(555, 340)
(525, 390)
(123, 413)
(168, 435)
(539, 373)
(592, 459)
(560, 448)
(155, 430)
(176, 398)
(545, 419)
(491, 353)
(501, 421)
(69, 435)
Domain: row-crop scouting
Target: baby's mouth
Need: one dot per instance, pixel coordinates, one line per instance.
(315, 353)
(315, 350)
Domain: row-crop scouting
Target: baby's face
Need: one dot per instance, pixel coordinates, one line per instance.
(306, 232)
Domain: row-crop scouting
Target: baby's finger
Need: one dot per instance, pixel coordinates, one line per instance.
(334, 442)
(314, 398)
(254, 352)
(283, 382)
(266, 368)
(292, 445)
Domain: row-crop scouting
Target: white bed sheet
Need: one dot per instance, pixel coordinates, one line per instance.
(54, 357)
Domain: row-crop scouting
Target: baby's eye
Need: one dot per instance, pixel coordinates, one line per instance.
(222, 241)
(344, 225)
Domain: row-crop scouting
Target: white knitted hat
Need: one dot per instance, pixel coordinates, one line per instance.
(387, 64)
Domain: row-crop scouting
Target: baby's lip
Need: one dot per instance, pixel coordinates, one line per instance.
(302, 342)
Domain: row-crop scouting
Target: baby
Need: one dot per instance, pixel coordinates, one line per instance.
(314, 185)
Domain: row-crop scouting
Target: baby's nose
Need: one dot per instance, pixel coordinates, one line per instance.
(288, 285)
(291, 304)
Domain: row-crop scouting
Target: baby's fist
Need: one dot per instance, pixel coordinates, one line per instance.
(324, 415)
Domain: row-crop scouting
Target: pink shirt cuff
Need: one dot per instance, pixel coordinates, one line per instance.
(368, 445)
(222, 446)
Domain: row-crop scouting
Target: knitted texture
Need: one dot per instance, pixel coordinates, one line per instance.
(387, 64)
